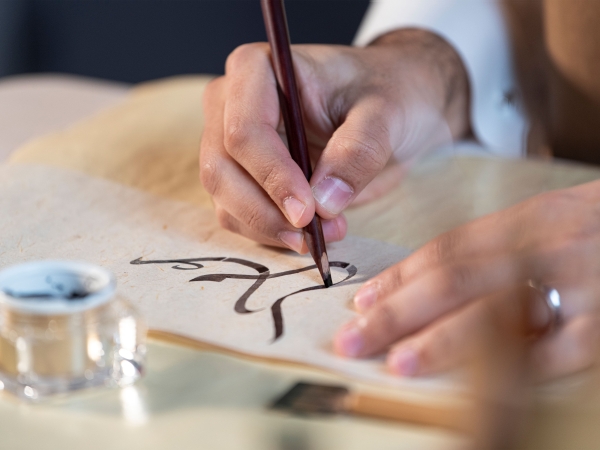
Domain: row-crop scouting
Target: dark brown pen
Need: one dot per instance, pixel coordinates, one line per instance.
(291, 110)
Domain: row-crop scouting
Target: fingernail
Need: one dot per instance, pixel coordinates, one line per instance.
(365, 297)
(292, 239)
(349, 341)
(404, 361)
(294, 209)
(332, 194)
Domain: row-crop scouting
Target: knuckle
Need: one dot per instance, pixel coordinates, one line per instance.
(436, 348)
(571, 240)
(395, 279)
(209, 176)
(271, 181)
(268, 174)
(574, 350)
(388, 319)
(236, 136)
(586, 224)
(364, 152)
(428, 351)
(439, 343)
(585, 341)
(571, 249)
(567, 257)
(444, 247)
(211, 91)
(550, 199)
(453, 279)
(550, 206)
(224, 219)
(563, 197)
(254, 219)
(245, 54)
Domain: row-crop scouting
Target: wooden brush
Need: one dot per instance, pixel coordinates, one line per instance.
(308, 399)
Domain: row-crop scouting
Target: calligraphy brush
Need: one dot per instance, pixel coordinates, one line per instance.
(291, 110)
(310, 399)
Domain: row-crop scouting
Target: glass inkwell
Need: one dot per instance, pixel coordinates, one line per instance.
(63, 328)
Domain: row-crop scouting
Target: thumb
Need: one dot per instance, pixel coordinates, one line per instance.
(361, 147)
(357, 151)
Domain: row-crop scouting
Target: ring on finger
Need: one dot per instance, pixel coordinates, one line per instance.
(552, 298)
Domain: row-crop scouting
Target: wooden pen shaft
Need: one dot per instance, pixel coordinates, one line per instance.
(291, 110)
(289, 99)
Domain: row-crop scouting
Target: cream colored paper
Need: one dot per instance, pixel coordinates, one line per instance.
(50, 213)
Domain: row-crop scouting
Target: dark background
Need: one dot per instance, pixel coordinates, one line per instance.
(137, 40)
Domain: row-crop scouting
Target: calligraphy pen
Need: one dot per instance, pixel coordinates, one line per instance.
(291, 110)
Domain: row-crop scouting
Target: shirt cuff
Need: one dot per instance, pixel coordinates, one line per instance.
(477, 31)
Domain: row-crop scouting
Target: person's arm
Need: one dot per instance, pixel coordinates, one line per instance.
(476, 29)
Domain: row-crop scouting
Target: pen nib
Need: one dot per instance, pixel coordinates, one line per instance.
(326, 271)
(327, 279)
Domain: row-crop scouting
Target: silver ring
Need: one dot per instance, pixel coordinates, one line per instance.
(552, 299)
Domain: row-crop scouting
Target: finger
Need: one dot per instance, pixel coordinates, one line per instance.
(243, 199)
(292, 239)
(488, 235)
(251, 118)
(576, 299)
(443, 345)
(211, 143)
(233, 189)
(358, 150)
(571, 349)
(235, 192)
(426, 299)
(447, 342)
(459, 336)
(333, 230)
(212, 151)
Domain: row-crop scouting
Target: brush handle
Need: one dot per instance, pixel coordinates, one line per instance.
(436, 416)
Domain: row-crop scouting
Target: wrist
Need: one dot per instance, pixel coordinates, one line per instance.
(436, 62)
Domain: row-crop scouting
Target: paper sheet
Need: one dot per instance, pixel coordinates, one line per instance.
(188, 276)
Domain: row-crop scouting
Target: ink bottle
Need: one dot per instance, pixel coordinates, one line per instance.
(63, 328)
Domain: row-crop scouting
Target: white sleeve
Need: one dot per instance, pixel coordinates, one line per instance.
(477, 31)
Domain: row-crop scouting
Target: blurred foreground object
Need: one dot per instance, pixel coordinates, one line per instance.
(307, 399)
(558, 60)
(62, 329)
(573, 41)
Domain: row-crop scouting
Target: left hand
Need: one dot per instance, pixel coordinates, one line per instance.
(428, 307)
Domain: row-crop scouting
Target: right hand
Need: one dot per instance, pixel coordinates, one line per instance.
(402, 95)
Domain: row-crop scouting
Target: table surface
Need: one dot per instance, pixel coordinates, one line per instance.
(191, 398)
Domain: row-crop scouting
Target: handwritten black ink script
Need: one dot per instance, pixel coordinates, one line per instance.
(262, 274)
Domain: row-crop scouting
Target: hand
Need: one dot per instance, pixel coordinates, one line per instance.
(403, 94)
(429, 306)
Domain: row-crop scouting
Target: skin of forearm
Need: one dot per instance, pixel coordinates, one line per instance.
(433, 55)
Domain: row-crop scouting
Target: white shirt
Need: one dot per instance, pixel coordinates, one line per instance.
(477, 31)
